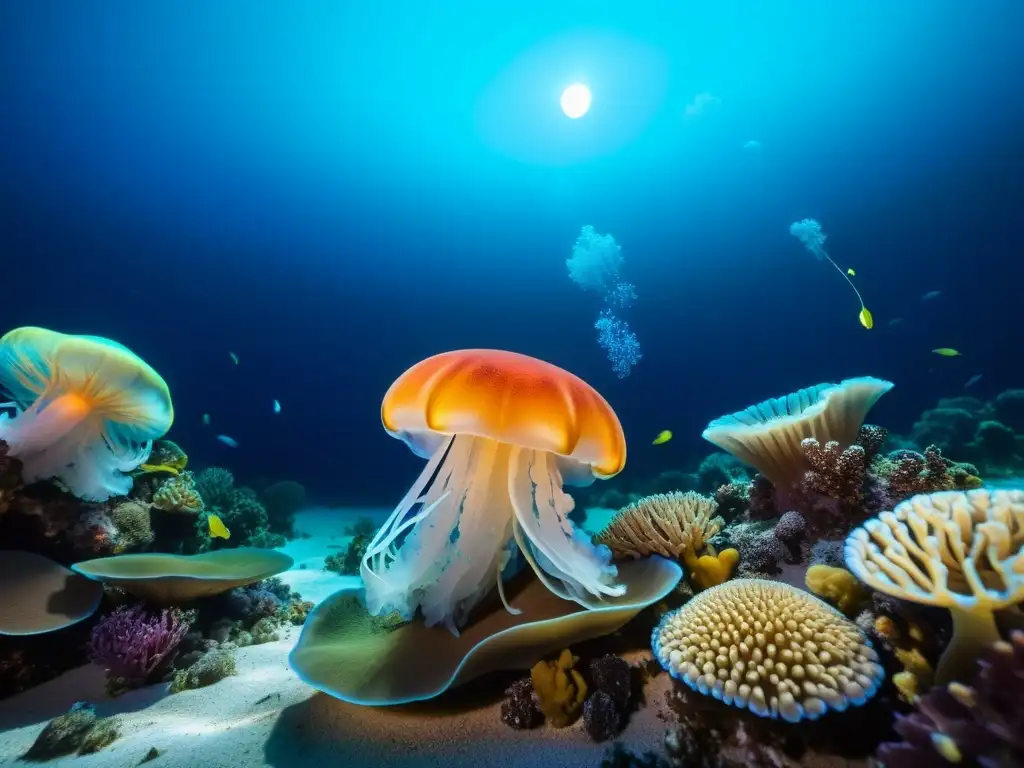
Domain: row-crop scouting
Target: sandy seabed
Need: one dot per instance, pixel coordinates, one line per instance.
(265, 716)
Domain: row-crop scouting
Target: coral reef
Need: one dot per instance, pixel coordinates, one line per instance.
(282, 500)
(179, 494)
(211, 668)
(134, 530)
(135, 647)
(520, 709)
(238, 508)
(79, 730)
(977, 724)
(347, 563)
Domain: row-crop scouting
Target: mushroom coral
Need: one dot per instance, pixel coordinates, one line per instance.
(770, 648)
(353, 656)
(502, 432)
(87, 410)
(767, 436)
(959, 550)
(38, 595)
(175, 579)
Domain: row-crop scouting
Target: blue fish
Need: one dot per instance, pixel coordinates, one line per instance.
(230, 442)
(972, 381)
(277, 406)
(931, 295)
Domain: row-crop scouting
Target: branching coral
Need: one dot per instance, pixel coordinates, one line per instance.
(981, 724)
(669, 524)
(835, 472)
(133, 645)
(961, 551)
(907, 473)
(179, 494)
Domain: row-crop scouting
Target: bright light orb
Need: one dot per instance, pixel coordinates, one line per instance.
(576, 100)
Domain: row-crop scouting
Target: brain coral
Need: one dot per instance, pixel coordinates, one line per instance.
(770, 648)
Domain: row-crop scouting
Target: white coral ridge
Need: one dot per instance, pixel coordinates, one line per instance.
(954, 549)
(768, 647)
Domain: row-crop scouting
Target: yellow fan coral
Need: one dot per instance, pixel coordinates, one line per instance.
(770, 648)
(179, 494)
(667, 524)
(560, 689)
(962, 550)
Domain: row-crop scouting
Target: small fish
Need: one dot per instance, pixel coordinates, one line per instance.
(894, 322)
(851, 273)
(663, 437)
(206, 419)
(946, 352)
(865, 318)
(230, 442)
(234, 357)
(931, 295)
(217, 528)
(277, 406)
(972, 381)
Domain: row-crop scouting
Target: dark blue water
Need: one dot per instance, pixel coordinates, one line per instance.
(334, 191)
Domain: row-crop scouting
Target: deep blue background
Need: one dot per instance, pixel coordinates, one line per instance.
(334, 190)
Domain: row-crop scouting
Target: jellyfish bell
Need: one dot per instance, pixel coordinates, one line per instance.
(86, 410)
(575, 101)
(502, 433)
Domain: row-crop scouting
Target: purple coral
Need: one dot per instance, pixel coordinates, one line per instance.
(981, 724)
(131, 644)
(520, 709)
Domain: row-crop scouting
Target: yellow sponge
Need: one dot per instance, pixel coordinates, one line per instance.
(560, 689)
(837, 585)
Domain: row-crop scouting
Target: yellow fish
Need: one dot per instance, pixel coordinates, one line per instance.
(663, 437)
(851, 273)
(217, 528)
(946, 352)
(865, 318)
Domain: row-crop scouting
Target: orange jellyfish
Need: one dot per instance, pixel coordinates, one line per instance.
(503, 432)
(86, 410)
